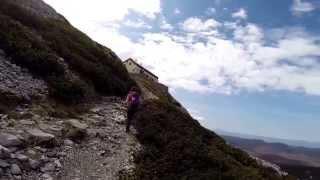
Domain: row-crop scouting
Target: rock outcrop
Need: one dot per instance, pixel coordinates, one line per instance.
(270, 165)
(17, 85)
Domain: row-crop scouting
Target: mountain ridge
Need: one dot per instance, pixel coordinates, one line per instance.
(75, 117)
(291, 142)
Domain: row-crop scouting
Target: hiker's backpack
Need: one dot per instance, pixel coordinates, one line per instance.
(135, 99)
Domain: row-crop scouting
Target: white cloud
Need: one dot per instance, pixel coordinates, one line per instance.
(227, 66)
(299, 7)
(164, 25)
(211, 11)
(249, 34)
(195, 24)
(230, 25)
(241, 13)
(101, 20)
(88, 15)
(104, 10)
(177, 11)
(137, 24)
(199, 60)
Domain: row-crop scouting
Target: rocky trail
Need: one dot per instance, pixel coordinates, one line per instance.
(93, 146)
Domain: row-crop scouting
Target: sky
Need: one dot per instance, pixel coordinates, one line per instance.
(246, 66)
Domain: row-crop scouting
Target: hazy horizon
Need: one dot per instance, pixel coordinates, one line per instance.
(290, 142)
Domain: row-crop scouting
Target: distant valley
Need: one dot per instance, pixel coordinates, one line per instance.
(299, 161)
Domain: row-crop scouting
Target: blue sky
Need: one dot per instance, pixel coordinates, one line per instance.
(246, 66)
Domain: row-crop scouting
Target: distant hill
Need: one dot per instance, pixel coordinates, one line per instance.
(290, 142)
(299, 161)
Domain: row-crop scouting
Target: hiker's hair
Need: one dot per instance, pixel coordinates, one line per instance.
(134, 88)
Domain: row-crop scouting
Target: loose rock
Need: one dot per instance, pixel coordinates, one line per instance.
(58, 164)
(22, 157)
(36, 136)
(51, 154)
(31, 152)
(49, 167)
(46, 177)
(9, 140)
(4, 152)
(68, 142)
(74, 129)
(40, 149)
(26, 122)
(1, 172)
(34, 164)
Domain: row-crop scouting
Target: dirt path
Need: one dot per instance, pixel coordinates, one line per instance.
(108, 149)
(105, 150)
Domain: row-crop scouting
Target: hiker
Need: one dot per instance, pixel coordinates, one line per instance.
(133, 101)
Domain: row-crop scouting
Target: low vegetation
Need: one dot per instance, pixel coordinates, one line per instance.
(155, 88)
(178, 147)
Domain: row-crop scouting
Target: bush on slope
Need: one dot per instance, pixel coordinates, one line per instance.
(177, 147)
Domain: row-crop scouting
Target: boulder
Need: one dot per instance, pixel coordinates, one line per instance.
(96, 110)
(15, 169)
(26, 122)
(34, 164)
(76, 124)
(49, 167)
(36, 136)
(4, 152)
(46, 177)
(38, 148)
(68, 142)
(22, 157)
(51, 154)
(4, 164)
(1, 172)
(58, 163)
(17, 177)
(44, 159)
(9, 140)
(31, 152)
(74, 129)
(55, 128)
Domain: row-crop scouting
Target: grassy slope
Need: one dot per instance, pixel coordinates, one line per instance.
(36, 43)
(177, 147)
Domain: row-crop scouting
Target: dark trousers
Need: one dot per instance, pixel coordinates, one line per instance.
(132, 109)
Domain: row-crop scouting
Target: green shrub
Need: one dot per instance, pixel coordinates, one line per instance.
(26, 49)
(37, 43)
(67, 90)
